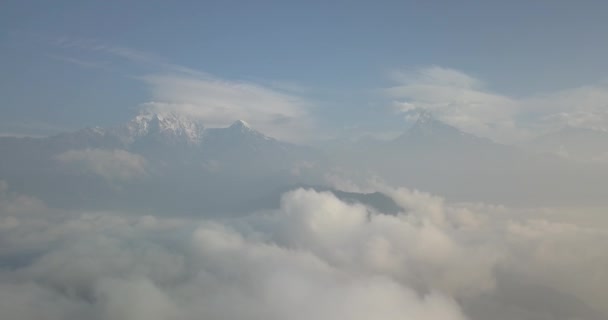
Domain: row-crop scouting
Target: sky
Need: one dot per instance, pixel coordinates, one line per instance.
(323, 67)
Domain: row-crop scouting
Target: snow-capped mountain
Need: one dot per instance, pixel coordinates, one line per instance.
(428, 130)
(154, 128)
(434, 156)
(427, 125)
(238, 132)
(184, 164)
(166, 130)
(170, 158)
(169, 126)
(150, 130)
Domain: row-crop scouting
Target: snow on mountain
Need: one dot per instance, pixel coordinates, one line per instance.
(241, 125)
(427, 128)
(167, 125)
(186, 166)
(175, 129)
(427, 125)
(243, 129)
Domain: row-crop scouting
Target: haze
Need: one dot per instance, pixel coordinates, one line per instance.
(316, 160)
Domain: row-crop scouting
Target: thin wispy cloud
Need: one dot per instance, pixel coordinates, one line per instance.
(274, 107)
(462, 100)
(90, 64)
(129, 54)
(218, 103)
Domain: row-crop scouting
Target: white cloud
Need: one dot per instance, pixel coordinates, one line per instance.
(131, 55)
(316, 257)
(109, 164)
(438, 76)
(462, 100)
(218, 103)
(273, 107)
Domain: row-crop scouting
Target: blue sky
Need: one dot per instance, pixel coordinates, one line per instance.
(324, 66)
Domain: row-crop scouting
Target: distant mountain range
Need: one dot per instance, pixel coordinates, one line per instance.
(186, 167)
(572, 143)
(434, 156)
(183, 165)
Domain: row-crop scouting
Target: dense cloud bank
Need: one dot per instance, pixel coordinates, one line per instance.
(316, 257)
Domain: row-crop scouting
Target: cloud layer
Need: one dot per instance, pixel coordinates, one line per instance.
(316, 257)
(108, 164)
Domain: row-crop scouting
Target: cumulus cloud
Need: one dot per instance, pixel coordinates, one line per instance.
(463, 101)
(316, 257)
(109, 164)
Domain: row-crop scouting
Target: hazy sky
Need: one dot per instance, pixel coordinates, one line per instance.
(325, 64)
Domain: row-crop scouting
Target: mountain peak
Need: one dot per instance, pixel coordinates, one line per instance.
(240, 124)
(242, 127)
(427, 128)
(165, 124)
(427, 125)
(239, 130)
(425, 117)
